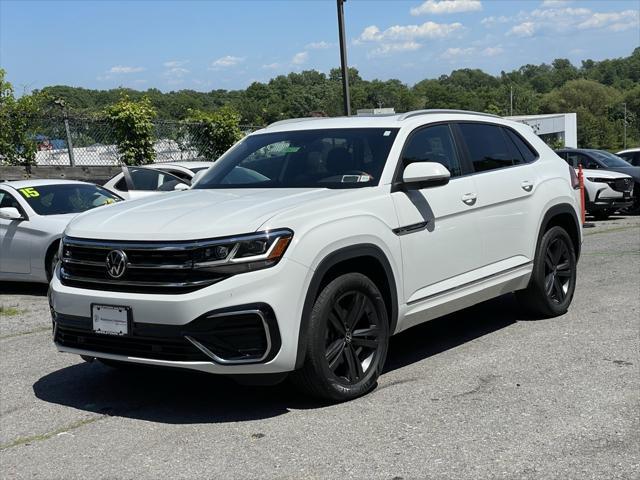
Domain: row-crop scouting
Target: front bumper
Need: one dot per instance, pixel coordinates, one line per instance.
(611, 204)
(179, 330)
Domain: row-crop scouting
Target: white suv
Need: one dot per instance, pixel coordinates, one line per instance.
(311, 241)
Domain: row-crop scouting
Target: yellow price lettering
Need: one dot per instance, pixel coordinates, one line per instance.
(29, 192)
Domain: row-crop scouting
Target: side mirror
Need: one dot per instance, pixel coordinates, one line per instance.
(198, 176)
(10, 213)
(181, 187)
(419, 175)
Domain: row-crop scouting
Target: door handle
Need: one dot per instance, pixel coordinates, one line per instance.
(469, 198)
(527, 186)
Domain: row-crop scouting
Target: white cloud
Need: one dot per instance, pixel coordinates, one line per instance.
(176, 72)
(175, 63)
(300, 58)
(436, 7)
(488, 21)
(319, 45)
(492, 51)
(524, 29)
(615, 21)
(409, 32)
(457, 52)
(125, 69)
(386, 48)
(226, 62)
(554, 3)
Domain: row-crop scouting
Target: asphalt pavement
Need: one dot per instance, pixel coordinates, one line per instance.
(483, 393)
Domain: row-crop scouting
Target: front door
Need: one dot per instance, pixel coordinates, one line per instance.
(438, 232)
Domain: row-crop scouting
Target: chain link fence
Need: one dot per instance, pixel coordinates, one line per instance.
(91, 142)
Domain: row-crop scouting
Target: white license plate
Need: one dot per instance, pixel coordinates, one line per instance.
(110, 320)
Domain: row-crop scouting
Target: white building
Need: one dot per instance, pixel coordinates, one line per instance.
(553, 126)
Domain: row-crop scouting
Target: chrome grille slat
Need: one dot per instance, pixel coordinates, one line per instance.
(156, 268)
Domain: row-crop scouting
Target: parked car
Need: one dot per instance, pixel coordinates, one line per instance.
(138, 182)
(311, 241)
(606, 192)
(33, 215)
(631, 155)
(602, 160)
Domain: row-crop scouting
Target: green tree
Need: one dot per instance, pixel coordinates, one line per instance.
(132, 124)
(17, 119)
(213, 133)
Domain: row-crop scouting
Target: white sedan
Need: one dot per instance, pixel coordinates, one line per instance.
(33, 215)
(138, 182)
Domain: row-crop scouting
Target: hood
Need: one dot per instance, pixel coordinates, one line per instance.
(597, 173)
(192, 214)
(630, 170)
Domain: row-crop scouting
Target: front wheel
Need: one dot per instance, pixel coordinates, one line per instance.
(347, 340)
(553, 279)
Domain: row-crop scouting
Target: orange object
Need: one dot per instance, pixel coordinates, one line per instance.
(583, 210)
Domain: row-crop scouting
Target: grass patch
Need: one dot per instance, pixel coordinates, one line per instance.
(10, 311)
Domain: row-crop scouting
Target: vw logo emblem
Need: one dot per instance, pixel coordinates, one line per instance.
(116, 263)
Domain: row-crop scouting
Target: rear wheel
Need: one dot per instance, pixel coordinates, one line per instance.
(553, 280)
(347, 340)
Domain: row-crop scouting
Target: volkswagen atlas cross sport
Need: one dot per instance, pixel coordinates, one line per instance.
(311, 241)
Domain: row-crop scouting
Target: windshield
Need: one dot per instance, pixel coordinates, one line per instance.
(328, 158)
(67, 198)
(609, 159)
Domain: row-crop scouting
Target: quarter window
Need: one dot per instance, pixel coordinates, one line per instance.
(433, 144)
(488, 147)
(527, 153)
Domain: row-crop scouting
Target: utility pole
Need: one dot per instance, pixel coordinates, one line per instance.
(343, 59)
(511, 100)
(61, 103)
(625, 126)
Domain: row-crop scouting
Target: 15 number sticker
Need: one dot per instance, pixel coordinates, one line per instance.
(29, 192)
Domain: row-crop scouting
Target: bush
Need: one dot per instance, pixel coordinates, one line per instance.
(132, 124)
(213, 133)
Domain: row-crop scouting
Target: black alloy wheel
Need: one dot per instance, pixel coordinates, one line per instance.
(352, 337)
(557, 270)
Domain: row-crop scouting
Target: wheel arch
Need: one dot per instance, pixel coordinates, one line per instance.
(367, 259)
(50, 251)
(563, 215)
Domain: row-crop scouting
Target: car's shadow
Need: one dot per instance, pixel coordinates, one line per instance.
(24, 288)
(185, 397)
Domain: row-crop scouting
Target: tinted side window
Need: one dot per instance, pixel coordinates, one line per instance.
(487, 145)
(7, 200)
(433, 144)
(528, 154)
(581, 159)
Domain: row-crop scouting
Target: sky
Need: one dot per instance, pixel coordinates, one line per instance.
(205, 45)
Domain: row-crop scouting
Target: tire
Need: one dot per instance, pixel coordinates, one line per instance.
(601, 215)
(553, 279)
(347, 341)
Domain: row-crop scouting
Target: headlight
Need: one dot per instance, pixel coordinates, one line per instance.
(598, 180)
(243, 253)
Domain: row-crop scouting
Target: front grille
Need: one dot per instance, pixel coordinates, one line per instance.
(171, 349)
(621, 184)
(151, 267)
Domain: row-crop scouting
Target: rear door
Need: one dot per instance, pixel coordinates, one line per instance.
(506, 179)
(438, 226)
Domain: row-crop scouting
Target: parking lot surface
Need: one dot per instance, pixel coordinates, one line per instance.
(483, 393)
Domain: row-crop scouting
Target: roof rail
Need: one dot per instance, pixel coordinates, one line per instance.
(417, 113)
(292, 120)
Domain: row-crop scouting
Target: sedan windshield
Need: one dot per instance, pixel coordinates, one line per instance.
(609, 159)
(66, 198)
(328, 158)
